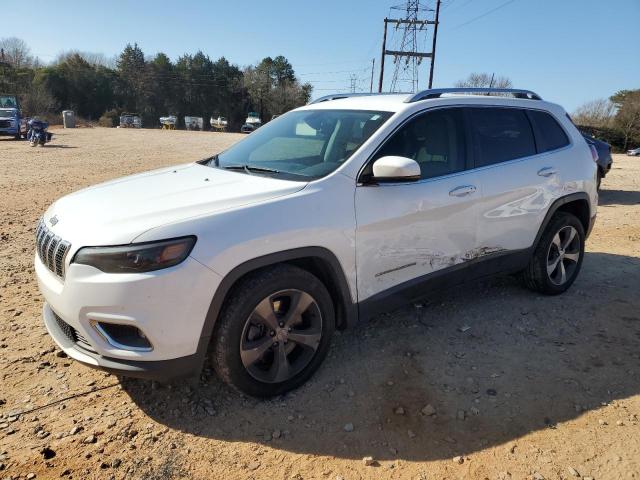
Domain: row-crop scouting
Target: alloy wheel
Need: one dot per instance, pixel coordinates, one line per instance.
(563, 255)
(281, 335)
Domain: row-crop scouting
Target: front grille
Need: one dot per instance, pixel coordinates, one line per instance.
(73, 334)
(5, 124)
(51, 249)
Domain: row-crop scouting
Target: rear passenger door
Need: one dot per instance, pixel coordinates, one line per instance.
(518, 159)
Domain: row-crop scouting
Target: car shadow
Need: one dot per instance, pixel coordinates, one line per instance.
(618, 197)
(495, 361)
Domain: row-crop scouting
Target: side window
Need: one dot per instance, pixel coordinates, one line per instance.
(549, 134)
(500, 135)
(436, 140)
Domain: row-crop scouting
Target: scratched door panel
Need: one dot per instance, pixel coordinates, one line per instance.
(405, 231)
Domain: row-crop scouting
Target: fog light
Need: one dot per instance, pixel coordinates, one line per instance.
(124, 337)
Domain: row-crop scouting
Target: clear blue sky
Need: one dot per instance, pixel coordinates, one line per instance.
(569, 51)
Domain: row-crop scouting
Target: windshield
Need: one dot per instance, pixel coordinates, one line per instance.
(8, 101)
(303, 145)
(7, 113)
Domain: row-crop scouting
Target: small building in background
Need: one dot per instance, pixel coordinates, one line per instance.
(68, 119)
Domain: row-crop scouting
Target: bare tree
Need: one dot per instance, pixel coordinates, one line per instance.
(597, 113)
(96, 59)
(16, 52)
(484, 80)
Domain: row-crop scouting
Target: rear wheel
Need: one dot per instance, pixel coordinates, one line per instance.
(558, 257)
(274, 331)
(599, 180)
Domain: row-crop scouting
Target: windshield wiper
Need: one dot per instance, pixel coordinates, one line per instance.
(251, 168)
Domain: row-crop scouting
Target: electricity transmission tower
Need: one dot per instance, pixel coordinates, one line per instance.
(353, 79)
(411, 35)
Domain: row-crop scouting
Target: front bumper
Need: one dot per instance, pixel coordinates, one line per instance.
(160, 370)
(169, 306)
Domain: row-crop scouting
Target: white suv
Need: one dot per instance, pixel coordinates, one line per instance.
(328, 214)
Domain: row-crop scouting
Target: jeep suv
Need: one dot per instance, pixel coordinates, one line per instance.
(329, 214)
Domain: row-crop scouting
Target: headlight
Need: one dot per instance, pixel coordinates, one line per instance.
(137, 257)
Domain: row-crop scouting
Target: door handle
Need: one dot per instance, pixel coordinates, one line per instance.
(462, 191)
(547, 172)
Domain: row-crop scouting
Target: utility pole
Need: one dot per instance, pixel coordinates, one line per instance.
(384, 50)
(435, 39)
(406, 50)
(373, 67)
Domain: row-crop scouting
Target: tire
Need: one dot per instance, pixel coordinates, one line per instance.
(540, 276)
(247, 351)
(599, 180)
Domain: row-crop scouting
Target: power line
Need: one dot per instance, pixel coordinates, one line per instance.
(502, 5)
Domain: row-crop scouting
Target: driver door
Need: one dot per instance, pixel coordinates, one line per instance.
(406, 232)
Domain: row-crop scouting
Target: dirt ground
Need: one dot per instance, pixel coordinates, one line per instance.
(537, 387)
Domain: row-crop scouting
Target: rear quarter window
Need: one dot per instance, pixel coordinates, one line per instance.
(549, 134)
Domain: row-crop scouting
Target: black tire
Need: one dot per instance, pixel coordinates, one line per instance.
(599, 180)
(536, 276)
(231, 328)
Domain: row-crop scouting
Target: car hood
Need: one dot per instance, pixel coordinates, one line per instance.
(118, 211)
(12, 111)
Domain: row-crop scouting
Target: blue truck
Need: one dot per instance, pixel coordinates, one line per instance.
(12, 123)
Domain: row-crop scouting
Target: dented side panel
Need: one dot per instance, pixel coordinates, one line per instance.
(405, 231)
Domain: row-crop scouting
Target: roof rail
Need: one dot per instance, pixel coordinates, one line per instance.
(338, 96)
(438, 92)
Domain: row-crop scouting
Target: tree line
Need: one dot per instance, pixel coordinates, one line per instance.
(100, 90)
(615, 120)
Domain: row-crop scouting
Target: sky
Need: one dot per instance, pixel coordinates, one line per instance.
(568, 51)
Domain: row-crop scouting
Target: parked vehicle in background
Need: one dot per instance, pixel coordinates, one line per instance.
(605, 160)
(130, 120)
(333, 213)
(193, 123)
(12, 123)
(634, 153)
(219, 124)
(38, 133)
(252, 123)
(169, 122)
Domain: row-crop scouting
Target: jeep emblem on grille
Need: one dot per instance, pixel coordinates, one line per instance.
(53, 220)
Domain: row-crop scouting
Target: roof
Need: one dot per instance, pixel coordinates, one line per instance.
(410, 101)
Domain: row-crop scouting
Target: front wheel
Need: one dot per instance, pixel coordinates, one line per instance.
(274, 331)
(557, 259)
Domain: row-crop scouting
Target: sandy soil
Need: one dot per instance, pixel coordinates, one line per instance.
(536, 388)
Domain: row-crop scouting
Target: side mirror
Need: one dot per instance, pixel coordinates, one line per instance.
(396, 169)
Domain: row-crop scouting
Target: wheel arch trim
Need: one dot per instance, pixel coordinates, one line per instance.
(556, 206)
(349, 311)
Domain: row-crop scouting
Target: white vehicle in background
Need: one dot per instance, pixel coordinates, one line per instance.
(169, 122)
(330, 214)
(219, 124)
(193, 123)
(130, 120)
(634, 153)
(252, 123)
